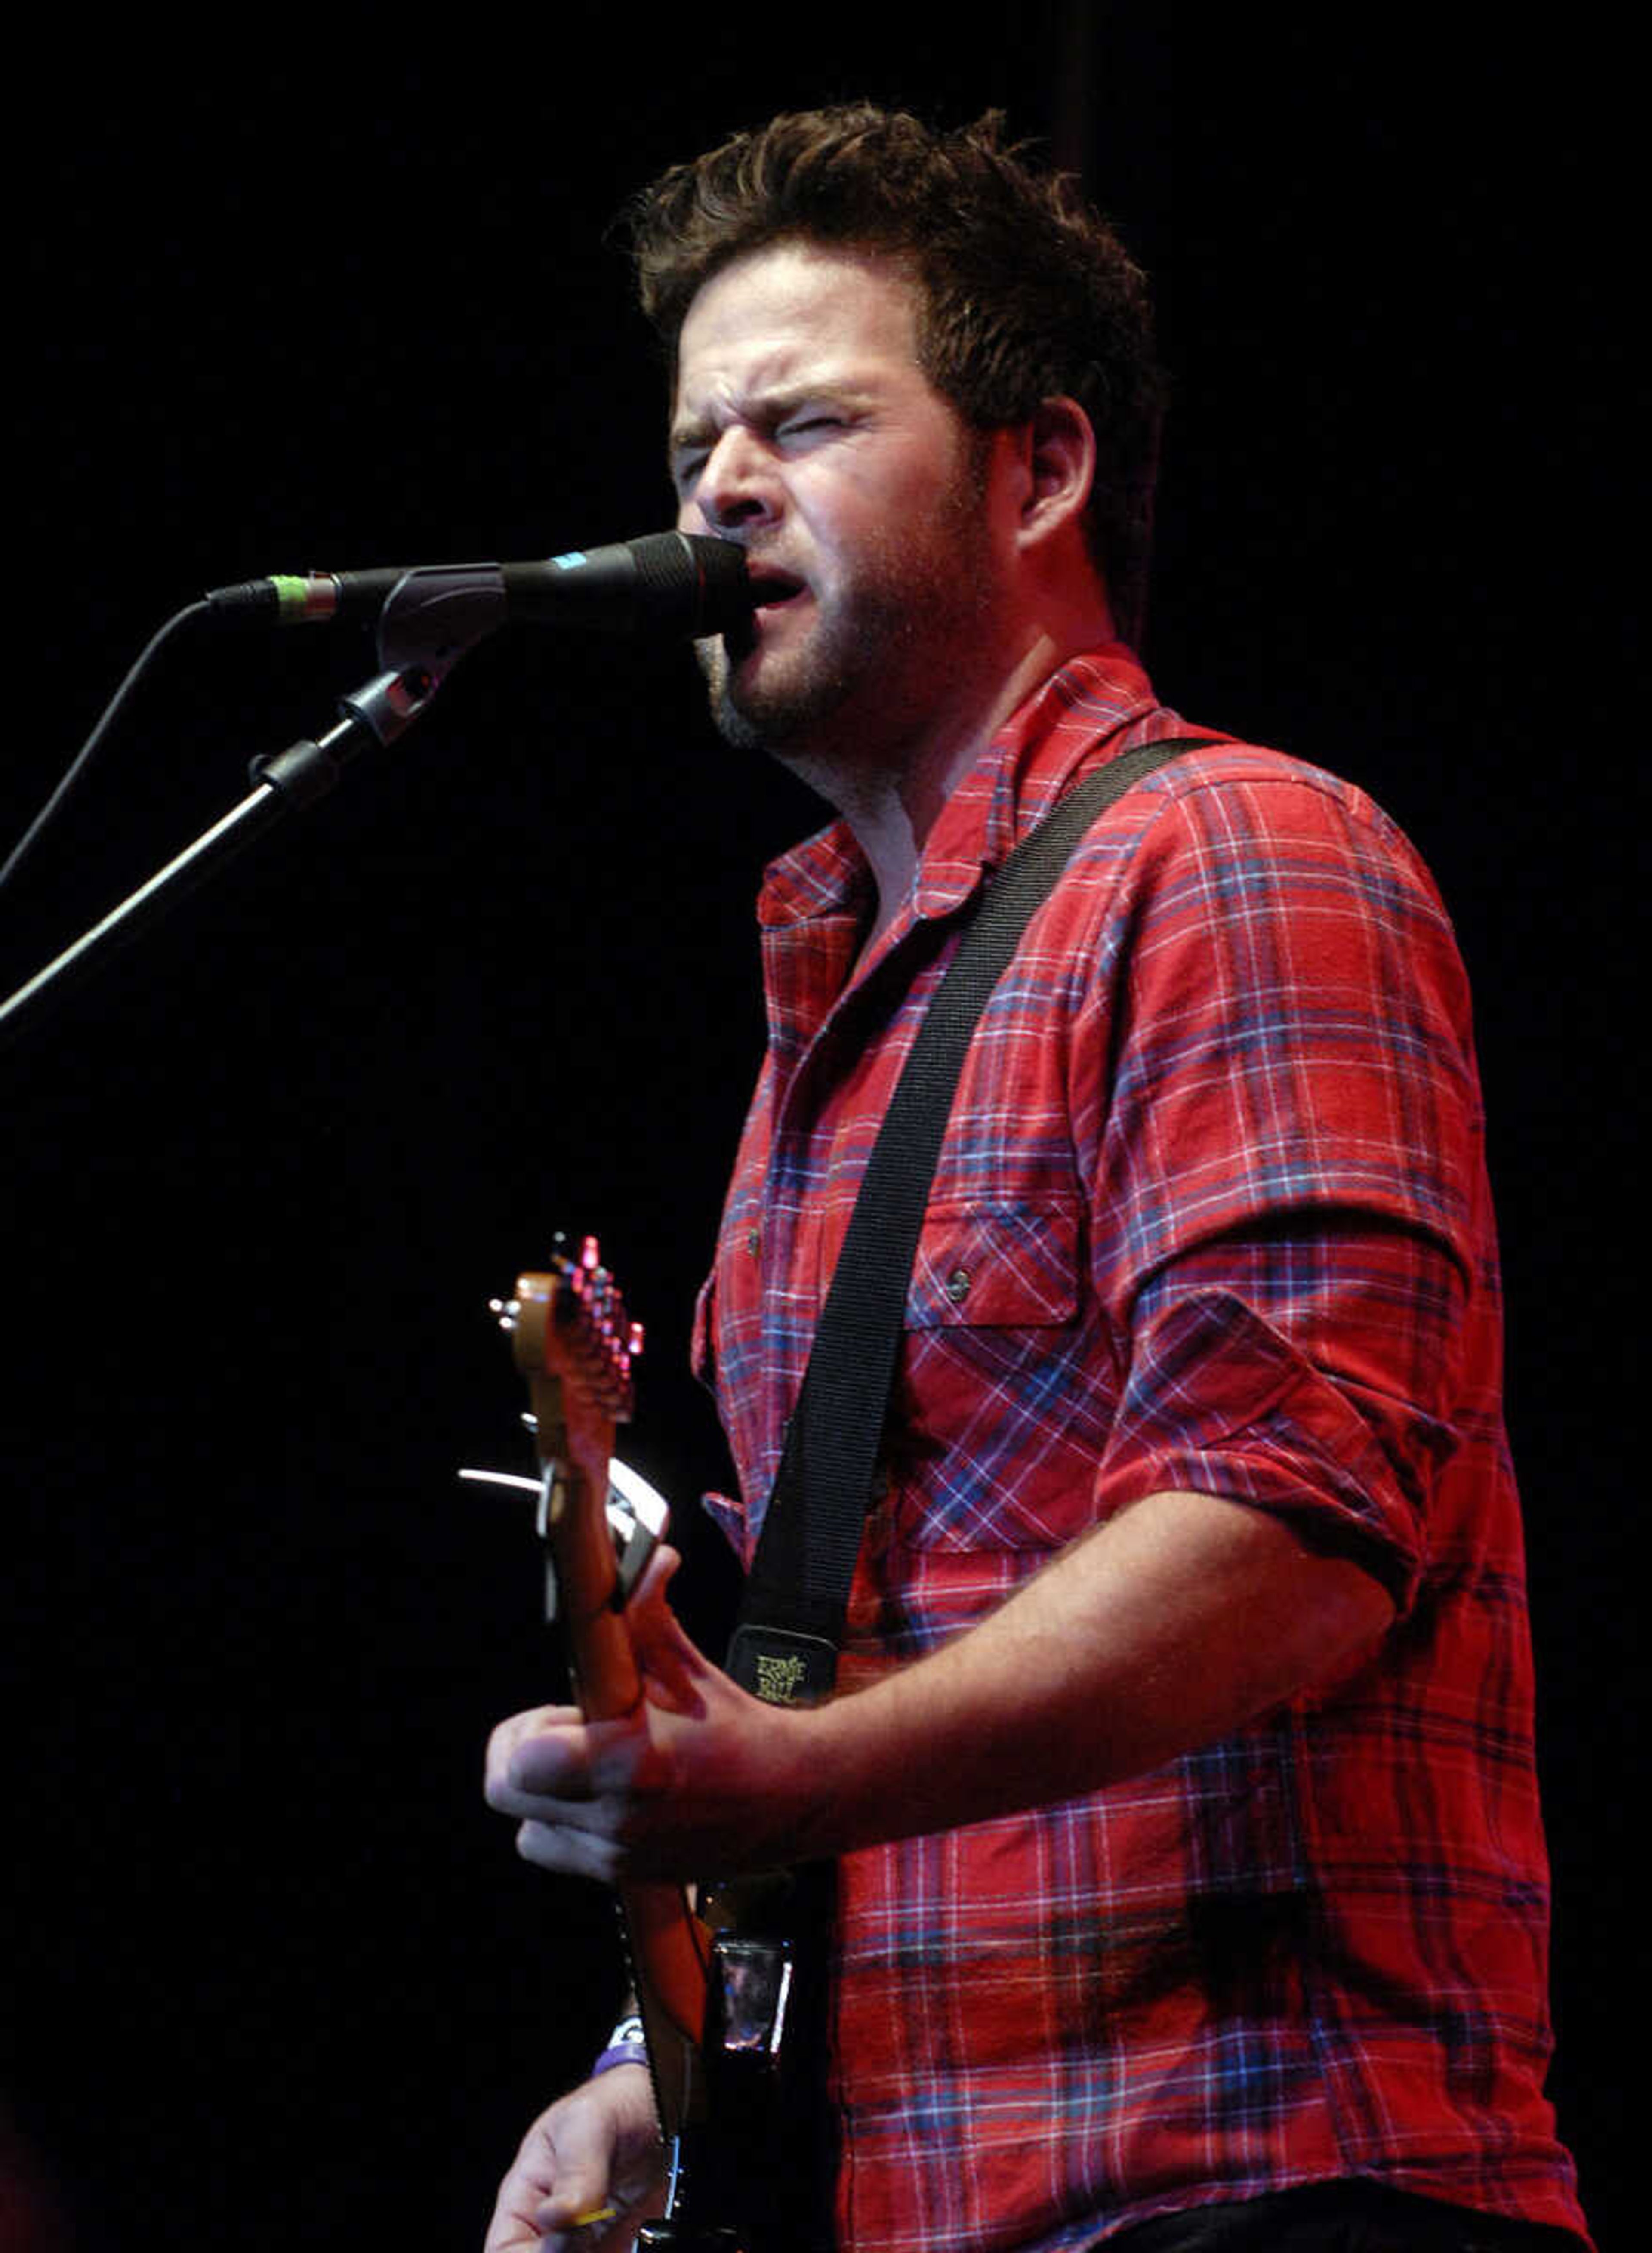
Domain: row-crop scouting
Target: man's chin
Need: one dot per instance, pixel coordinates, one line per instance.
(748, 710)
(720, 664)
(738, 729)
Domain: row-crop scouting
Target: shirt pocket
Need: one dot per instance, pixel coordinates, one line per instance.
(1002, 1266)
(997, 1419)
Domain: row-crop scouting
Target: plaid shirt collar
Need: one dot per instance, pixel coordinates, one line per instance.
(1019, 775)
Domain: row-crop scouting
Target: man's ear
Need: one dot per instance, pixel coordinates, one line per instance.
(1058, 459)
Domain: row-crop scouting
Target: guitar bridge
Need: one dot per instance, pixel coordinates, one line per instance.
(750, 1991)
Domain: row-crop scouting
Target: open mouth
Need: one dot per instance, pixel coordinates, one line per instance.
(774, 588)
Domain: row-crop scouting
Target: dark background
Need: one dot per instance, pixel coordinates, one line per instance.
(274, 1975)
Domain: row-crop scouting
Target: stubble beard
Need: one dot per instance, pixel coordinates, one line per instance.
(880, 652)
(803, 708)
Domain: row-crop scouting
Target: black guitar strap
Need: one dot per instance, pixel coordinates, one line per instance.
(784, 1649)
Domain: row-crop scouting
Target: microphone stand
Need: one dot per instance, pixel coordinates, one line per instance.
(429, 619)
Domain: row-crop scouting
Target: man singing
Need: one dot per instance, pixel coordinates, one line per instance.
(1191, 1879)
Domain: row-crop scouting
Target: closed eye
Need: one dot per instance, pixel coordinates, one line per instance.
(777, 429)
(689, 457)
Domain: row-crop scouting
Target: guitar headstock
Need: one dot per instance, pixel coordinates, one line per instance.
(574, 1343)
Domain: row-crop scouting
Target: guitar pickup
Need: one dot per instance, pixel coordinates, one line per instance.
(637, 1515)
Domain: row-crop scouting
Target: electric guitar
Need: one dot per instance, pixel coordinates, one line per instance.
(714, 2004)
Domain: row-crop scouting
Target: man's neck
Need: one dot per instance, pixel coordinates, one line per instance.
(890, 810)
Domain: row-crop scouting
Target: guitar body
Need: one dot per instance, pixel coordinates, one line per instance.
(744, 2182)
(726, 2011)
(772, 2159)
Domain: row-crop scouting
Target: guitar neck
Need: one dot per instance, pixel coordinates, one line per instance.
(665, 1945)
(573, 1345)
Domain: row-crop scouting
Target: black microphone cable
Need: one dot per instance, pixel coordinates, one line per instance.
(88, 751)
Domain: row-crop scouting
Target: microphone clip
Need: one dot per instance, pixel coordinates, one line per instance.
(437, 612)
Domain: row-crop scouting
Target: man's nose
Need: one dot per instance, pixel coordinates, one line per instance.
(737, 487)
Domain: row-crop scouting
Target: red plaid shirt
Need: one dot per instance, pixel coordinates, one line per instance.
(1211, 1214)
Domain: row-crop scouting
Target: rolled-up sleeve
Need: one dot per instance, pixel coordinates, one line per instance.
(1288, 1193)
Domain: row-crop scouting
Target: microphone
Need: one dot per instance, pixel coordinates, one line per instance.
(668, 583)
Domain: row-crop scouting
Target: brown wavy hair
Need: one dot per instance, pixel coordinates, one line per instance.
(1026, 293)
